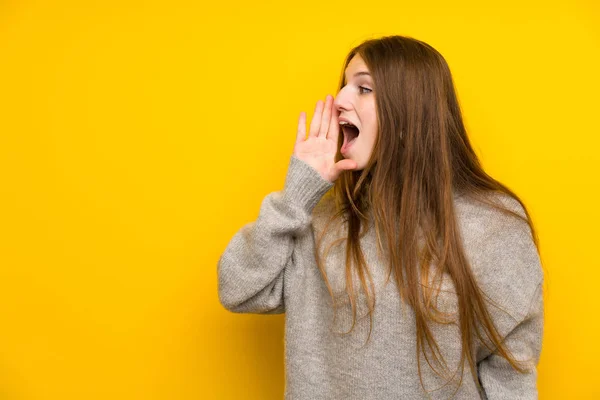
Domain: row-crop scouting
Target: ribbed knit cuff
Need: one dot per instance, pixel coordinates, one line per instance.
(304, 185)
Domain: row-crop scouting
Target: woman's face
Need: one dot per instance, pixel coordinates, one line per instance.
(356, 103)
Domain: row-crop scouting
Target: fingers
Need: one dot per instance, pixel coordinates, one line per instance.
(341, 166)
(301, 135)
(315, 124)
(326, 117)
(334, 125)
(345, 164)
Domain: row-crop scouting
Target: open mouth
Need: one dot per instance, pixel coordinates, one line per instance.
(351, 132)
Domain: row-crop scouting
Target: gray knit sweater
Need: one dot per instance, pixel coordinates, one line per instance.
(269, 267)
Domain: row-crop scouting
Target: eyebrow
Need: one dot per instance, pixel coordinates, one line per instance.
(359, 73)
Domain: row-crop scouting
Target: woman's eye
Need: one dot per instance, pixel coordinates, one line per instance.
(362, 87)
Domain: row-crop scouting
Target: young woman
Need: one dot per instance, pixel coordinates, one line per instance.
(409, 200)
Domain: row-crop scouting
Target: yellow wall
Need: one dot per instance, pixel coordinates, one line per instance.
(137, 137)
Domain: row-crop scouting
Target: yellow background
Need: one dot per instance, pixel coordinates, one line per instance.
(137, 137)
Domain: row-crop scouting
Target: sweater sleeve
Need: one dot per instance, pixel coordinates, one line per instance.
(498, 378)
(251, 269)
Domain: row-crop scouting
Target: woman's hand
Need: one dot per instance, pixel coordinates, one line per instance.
(320, 147)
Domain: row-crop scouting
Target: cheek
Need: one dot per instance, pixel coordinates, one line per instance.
(373, 120)
(368, 139)
(371, 133)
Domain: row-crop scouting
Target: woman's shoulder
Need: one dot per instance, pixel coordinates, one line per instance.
(500, 249)
(470, 206)
(479, 220)
(485, 227)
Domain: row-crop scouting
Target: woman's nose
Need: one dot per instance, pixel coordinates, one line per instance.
(339, 102)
